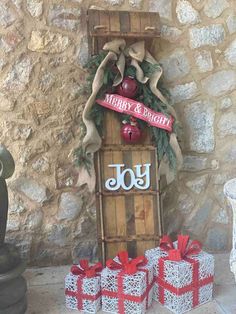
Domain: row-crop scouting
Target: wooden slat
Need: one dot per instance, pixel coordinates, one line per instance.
(124, 35)
(120, 202)
(138, 207)
(144, 22)
(104, 20)
(155, 22)
(127, 147)
(108, 127)
(93, 17)
(109, 209)
(148, 200)
(134, 22)
(114, 248)
(114, 21)
(142, 237)
(130, 192)
(110, 216)
(116, 126)
(124, 22)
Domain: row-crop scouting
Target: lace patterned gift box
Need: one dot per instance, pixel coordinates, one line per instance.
(183, 274)
(127, 285)
(83, 287)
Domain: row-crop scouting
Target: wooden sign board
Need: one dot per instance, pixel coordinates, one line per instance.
(123, 24)
(127, 220)
(105, 25)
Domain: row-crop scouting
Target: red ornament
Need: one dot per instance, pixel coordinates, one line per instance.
(131, 133)
(128, 87)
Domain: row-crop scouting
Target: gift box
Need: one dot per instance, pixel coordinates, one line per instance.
(183, 274)
(127, 285)
(83, 287)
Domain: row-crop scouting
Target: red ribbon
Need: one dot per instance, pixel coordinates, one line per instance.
(84, 270)
(184, 250)
(129, 267)
(138, 110)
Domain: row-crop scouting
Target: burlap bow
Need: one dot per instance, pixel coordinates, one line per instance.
(129, 266)
(84, 269)
(117, 51)
(185, 247)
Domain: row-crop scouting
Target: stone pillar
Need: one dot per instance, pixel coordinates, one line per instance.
(230, 193)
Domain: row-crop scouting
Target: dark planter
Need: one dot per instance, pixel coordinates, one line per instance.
(12, 285)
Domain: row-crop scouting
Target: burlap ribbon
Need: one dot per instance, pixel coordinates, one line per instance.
(117, 51)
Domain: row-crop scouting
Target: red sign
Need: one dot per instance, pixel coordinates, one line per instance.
(137, 109)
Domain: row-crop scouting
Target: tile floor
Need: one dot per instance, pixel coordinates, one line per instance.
(46, 291)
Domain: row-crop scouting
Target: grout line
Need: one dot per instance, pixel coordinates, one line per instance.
(46, 284)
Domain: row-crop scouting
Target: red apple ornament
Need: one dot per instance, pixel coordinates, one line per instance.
(130, 132)
(128, 87)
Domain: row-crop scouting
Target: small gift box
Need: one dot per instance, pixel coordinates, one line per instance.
(127, 285)
(83, 287)
(183, 274)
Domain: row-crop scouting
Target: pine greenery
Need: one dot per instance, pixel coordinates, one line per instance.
(160, 137)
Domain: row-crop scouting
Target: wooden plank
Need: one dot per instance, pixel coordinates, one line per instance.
(124, 22)
(99, 206)
(155, 22)
(114, 21)
(137, 147)
(110, 216)
(138, 200)
(93, 19)
(116, 126)
(124, 35)
(130, 214)
(113, 248)
(148, 208)
(134, 22)
(109, 209)
(139, 215)
(120, 201)
(104, 21)
(148, 200)
(142, 237)
(130, 192)
(155, 200)
(108, 127)
(144, 22)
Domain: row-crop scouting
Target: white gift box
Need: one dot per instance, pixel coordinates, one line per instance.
(83, 293)
(182, 285)
(127, 293)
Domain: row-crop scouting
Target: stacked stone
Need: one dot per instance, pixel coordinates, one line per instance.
(43, 47)
(198, 56)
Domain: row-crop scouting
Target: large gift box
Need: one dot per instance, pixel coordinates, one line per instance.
(127, 285)
(183, 274)
(83, 287)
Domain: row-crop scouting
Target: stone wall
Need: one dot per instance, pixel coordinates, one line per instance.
(42, 50)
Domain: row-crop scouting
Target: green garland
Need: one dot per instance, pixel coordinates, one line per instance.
(160, 137)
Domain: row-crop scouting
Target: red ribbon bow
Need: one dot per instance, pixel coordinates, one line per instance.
(84, 269)
(130, 267)
(184, 248)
